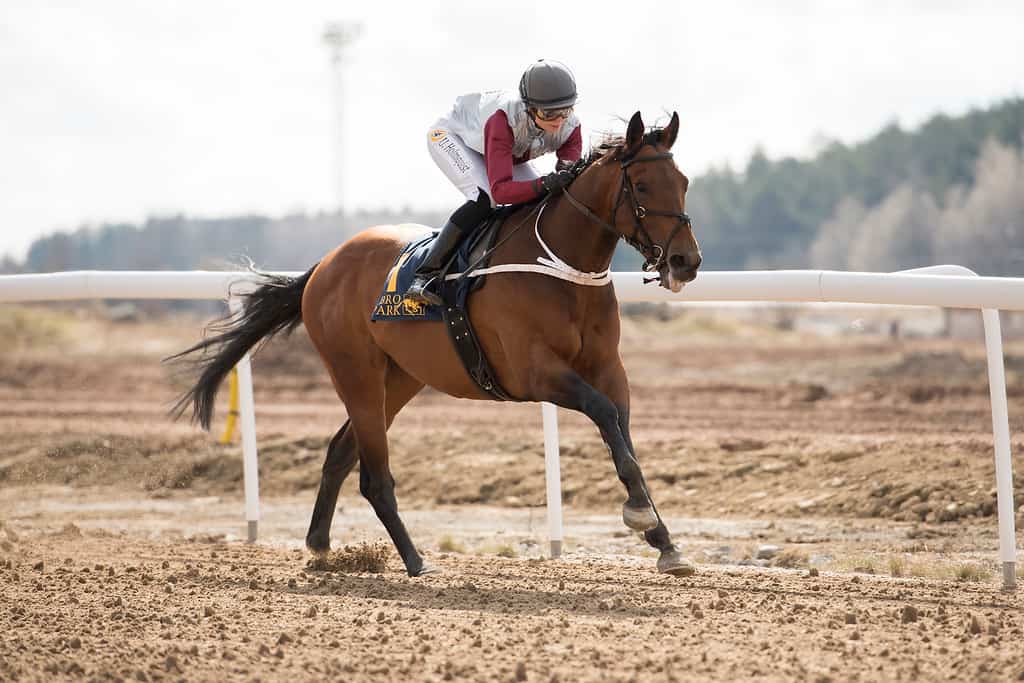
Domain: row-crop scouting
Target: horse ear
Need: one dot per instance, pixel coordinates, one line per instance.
(634, 133)
(669, 133)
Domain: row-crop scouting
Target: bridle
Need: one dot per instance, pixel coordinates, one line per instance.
(641, 240)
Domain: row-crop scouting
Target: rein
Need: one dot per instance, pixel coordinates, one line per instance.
(653, 253)
(552, 266)
(487, 252)
(641, 240)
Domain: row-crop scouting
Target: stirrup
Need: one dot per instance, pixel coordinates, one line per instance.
(421, 293)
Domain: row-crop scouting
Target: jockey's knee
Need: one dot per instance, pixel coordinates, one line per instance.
(483, 200)
(472, 212)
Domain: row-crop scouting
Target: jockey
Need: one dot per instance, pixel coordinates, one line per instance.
(487, 141)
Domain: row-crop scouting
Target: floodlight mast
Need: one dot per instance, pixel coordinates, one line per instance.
(337, 36)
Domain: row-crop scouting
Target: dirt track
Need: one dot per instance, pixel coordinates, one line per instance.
(859, 458)
(103, 607)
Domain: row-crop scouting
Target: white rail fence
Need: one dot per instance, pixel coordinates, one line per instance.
(943, 286)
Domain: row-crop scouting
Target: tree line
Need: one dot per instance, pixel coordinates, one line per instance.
(950, 191)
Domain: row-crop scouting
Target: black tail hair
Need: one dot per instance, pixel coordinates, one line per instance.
(275, 306)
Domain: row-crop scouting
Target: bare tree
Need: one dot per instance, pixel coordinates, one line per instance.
(983, 227)
(831, 248)
(897, 234)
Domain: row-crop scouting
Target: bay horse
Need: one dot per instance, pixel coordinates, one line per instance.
(547, 339)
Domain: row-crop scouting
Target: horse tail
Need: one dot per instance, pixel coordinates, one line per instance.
(275, 306)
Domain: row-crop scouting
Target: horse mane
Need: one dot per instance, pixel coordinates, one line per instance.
(612, 145)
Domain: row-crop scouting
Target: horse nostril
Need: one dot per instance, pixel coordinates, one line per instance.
(688, 261)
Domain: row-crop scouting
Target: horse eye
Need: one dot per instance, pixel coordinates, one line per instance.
(640, 187)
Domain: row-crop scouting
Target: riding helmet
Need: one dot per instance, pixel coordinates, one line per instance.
(547, 84)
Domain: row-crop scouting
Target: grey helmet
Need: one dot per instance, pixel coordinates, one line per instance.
(547, 84)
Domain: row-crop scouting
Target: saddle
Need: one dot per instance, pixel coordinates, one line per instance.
(454, 287)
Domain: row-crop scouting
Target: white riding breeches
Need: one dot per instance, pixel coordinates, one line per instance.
(466, 167)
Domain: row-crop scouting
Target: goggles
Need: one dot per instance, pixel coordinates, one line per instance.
(553, 114)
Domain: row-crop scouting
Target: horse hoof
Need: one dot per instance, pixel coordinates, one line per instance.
(672, 562)
(318, 544)
(639, 519)
(319, 552)
(427, 570)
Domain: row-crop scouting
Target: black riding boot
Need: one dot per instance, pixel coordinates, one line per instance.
(465, 218)
(428, 271)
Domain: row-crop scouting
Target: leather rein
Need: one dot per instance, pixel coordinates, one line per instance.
(641, 240)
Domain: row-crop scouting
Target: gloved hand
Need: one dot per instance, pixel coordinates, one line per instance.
(554, 182)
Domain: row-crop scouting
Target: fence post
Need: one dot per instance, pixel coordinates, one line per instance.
(1001, 436)
(553, 477)
(1000, 427)
(250, 465)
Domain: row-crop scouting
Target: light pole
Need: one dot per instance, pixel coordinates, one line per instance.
(337, 36)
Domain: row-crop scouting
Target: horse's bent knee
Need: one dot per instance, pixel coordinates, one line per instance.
(376, 488)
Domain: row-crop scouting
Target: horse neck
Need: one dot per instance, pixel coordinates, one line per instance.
(576, 239)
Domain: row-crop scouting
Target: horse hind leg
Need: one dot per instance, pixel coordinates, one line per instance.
(361, 441)
(342, 455)
(375, 480)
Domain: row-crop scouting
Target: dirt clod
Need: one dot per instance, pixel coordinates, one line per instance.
(364, 557)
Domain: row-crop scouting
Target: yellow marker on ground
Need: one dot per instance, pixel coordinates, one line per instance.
(229, 426)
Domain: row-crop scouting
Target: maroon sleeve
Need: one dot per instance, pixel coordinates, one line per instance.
(572, 148)
(498, 158)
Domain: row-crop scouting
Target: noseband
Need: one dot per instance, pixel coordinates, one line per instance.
(653, 253)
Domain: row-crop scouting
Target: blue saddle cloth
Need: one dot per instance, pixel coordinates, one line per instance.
(392, 305)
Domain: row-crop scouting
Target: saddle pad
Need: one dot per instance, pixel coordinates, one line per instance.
(392, 304)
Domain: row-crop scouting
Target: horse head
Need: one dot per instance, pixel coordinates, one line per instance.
(636, 182)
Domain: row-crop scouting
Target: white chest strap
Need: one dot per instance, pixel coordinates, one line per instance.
(552, 266)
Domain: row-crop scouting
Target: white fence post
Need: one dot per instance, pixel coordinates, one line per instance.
(1001, 436)
(553, 477)
(247, 415)
(1000, 428)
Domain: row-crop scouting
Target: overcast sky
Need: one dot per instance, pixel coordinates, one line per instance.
(114, 110)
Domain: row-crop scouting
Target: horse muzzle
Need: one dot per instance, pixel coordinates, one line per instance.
(679, 270)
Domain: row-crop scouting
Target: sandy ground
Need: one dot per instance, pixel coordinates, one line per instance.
(837, 494)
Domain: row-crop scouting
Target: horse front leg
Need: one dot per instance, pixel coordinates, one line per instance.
(670, 561)
(573, 392)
